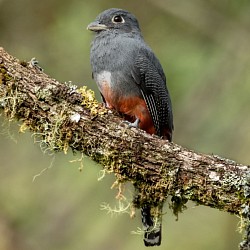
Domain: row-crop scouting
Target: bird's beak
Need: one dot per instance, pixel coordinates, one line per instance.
(96, 26)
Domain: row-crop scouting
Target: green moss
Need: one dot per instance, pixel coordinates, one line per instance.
(24, 63)
(90, 102)
(4, 76)
(43, 93)
(245, 212)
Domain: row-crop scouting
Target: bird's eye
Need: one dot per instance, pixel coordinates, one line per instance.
(118, 19)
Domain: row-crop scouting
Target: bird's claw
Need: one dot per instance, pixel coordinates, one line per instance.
(134, 124)
(34, 63)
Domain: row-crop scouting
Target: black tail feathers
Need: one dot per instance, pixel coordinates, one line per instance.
(151, 226)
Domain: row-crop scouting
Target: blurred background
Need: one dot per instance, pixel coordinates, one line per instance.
(204, 48)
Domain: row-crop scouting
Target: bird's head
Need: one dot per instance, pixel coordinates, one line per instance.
(115, 19)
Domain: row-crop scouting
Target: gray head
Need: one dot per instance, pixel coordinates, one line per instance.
(115, 20)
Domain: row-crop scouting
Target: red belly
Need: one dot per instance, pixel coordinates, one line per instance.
(132, 107)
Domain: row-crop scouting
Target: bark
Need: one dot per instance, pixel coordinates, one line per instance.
(64, 117)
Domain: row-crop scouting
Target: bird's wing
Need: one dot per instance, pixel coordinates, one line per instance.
(148, 74)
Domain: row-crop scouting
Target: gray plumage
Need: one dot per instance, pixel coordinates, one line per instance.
(123, 64)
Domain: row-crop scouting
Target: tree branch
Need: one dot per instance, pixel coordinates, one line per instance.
(62, 116)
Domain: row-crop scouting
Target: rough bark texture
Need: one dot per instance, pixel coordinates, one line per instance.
(63, 117)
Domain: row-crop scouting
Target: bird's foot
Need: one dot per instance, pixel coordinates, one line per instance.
(35, 64)
(134, 124)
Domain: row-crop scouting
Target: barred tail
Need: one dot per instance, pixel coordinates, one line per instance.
(152, 228)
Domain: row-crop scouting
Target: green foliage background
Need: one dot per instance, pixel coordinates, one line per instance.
(204, 48)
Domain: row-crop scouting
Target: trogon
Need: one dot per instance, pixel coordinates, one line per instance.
(131, 80)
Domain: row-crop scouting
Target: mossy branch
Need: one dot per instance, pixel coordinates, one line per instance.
(64, 117)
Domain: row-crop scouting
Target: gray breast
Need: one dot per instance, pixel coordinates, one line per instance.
(112, 62)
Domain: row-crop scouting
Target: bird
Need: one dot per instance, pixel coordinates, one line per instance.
(131, 81)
